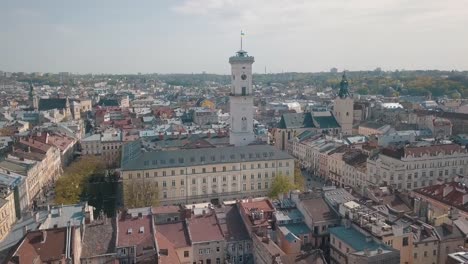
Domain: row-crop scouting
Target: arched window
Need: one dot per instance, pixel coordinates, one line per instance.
(244, 123)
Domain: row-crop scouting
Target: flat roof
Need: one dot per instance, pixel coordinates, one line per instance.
(353, 238)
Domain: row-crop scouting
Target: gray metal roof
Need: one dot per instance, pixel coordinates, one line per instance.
(134, 159)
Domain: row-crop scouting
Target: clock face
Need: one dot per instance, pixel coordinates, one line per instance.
(243, 77)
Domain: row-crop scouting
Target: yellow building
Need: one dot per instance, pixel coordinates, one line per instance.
(207, 174)
(205, 103)
(7, 213)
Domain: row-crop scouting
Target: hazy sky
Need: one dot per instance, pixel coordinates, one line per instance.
(184, 36)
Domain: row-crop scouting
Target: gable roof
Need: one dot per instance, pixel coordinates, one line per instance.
(52, 103)
(44, 246)
(296, 120)
(326, 121)
(134, 159)
(108, 102)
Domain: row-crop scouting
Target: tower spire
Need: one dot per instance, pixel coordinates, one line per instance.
(344, 92)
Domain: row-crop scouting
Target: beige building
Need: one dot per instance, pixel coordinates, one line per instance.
(7, 213)
(373, 128)
(201, 175)
(413, 167)
(108, 145)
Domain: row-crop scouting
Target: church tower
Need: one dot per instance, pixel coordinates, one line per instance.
(343, 107)
(241, 100)
(33, 99)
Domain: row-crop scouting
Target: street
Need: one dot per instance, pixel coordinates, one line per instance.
(312, 181)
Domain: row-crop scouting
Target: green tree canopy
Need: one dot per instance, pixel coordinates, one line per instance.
(281, 184)
(140, 193)
(72, 184)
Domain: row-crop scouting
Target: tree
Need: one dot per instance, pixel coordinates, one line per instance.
(281, 184)
(140, 193)
(298, 177)
(70, 187)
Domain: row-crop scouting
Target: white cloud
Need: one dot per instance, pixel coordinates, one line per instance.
(280, 14)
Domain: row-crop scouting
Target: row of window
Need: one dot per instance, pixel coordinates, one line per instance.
(173, 173)
(181, 160)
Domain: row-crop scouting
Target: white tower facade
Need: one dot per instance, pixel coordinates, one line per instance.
(241, 100)
(343, 107)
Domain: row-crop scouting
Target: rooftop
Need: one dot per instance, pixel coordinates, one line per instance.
(175, 232)
(61, 215)
(204, 228)
(135, 231)
(318, 210)
(231, 223)
(353, 238)
(134, 159)
(452, 193)
(169, 209)
(99, 238)
(46, 246)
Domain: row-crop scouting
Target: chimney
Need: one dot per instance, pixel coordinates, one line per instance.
(187, 213)
(44, 236)
(161, 136)
(25, 230)
(209, 134)
(447, 189)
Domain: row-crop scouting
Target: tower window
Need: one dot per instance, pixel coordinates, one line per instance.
(244, 91)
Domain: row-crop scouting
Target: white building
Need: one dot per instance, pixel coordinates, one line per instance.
(413, 167)
(241, 100)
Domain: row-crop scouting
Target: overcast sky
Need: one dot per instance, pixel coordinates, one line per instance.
(185, 36)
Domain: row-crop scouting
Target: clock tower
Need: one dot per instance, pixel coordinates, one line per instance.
(241, 100)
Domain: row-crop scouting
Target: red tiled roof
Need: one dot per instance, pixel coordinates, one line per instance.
(165, 209)
(33, 249)
(453, 196)
(434, 150)
(144, 239)
(264, 205)
(205, 228)
(35, 145)
(175, 232)
(165, 243)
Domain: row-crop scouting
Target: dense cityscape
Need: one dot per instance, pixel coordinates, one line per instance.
(269, 168)
(233, 132)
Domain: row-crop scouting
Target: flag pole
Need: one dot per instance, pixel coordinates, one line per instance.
(241, 39)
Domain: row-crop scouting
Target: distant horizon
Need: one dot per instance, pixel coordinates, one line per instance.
(228, 74)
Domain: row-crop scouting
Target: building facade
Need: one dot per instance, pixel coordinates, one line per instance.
(413, 167)
(201, 175)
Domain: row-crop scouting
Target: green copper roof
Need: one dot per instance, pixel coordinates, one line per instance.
(52, 103)
(344, 92)
(296, 120)
(326, 122)
(108, 102)
(353, 238)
